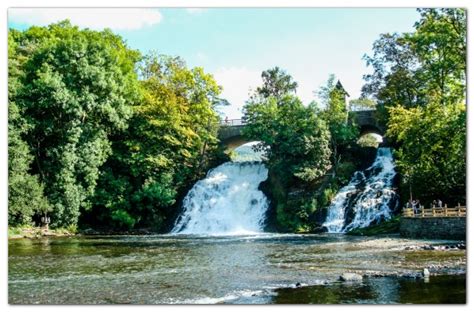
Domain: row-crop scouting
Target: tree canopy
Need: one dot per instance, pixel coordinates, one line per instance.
(419, 83)
(98, 131)
(171, 140)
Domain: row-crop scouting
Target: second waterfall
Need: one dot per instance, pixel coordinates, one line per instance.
(228, 200)
(369, 197)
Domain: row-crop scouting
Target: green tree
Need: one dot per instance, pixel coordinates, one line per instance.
(76, 90)
(294, 138)
(171, 141)
(276, 83)
(336, 116)
(296, 145)
(440, 44)
(432, 150)
(411, 69)
(25, 193)
(419, 82)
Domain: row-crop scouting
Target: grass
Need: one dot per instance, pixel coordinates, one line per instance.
(386, 227)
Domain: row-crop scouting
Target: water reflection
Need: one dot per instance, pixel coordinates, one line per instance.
(386, 290)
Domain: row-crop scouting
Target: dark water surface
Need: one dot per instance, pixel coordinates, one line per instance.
(263, 268)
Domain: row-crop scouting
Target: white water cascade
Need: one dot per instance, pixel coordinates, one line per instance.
(227, 201)
(367, 198)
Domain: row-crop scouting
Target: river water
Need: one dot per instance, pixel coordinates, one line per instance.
(260, 268)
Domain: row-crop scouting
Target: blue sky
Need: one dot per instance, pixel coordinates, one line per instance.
(237, 44)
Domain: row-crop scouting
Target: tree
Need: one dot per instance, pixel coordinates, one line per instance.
(432, 151)
(25, 193)
(294, 138)
(419, 82)
(440, 44)
(76, 91)
(276, 83)
(296, 144)
(336, 116)
(411, 69)
(171, 140)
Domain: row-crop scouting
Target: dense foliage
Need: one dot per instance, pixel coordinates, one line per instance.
(419, 83)
(98, 132)
(170, 139)
(432, 153)
(25, 192)
(294, 139)
(75, 90)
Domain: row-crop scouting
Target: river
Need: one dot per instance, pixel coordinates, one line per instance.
(257, 269)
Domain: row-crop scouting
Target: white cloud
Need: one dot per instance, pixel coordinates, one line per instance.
(237, 83)
(93, 18)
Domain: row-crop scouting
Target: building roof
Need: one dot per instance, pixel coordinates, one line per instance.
(340, 87)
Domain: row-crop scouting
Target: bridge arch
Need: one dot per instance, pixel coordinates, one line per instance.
(367, 122)
(230, 133)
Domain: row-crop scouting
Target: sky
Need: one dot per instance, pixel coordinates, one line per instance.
(237, 44)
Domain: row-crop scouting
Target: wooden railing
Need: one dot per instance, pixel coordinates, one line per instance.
(459, 211)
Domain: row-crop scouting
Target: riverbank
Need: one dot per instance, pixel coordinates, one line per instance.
(38, 232)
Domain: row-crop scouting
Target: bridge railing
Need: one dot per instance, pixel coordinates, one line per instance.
(232, 122)
(459, 211)
(361, 109)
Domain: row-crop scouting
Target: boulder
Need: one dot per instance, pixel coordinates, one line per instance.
(350, 277)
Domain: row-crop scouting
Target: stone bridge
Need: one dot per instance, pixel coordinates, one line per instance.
(230, 132)
(367, 122)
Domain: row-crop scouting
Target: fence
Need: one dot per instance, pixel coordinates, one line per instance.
(459, 211)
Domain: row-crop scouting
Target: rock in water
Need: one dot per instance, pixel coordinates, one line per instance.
(350, 277)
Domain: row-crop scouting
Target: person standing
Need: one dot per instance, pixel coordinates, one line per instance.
(415, 208)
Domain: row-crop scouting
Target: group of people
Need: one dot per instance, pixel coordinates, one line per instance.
(415, 204)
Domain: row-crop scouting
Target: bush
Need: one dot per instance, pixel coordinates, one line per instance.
(123, 219)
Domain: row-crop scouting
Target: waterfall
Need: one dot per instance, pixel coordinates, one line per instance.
(227, 201)
(368, 198)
